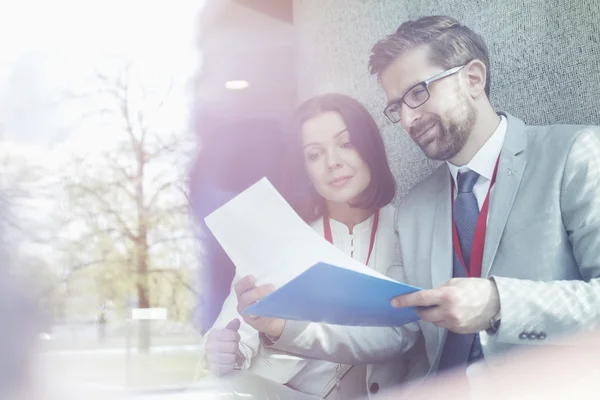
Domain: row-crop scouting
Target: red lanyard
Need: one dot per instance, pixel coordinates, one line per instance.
(329, 238)
(474, 270)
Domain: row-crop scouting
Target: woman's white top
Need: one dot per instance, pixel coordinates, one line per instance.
(311, 376)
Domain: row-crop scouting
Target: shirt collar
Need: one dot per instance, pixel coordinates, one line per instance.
(484, 160)
(341, 228)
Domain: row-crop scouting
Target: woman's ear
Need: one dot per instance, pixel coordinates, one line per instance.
(476, 73)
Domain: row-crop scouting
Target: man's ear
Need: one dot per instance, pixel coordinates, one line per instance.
(476, 74)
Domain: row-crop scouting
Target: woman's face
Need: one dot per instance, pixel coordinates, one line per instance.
(333, 164)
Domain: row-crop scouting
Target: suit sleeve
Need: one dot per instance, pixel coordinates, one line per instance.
(561, 307)
(346, 344)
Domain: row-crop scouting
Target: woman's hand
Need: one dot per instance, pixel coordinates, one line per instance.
(248, 293)
(222, 348)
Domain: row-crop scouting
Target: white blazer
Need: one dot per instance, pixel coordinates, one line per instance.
(286, 368)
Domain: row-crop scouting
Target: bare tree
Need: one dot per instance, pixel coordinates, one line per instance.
(126, 209)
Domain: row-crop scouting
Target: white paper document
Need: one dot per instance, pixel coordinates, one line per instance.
(315, 281)
(265, 237)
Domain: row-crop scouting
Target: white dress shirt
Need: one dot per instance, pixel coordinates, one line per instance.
(483, 163)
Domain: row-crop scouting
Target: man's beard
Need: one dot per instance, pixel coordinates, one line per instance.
(454, 129)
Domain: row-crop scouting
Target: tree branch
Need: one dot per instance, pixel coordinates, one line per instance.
(110, 211)
(167, 272)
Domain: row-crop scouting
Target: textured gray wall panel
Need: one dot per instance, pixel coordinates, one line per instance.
(544, 54)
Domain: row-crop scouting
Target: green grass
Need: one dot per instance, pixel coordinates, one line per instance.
(142, 370)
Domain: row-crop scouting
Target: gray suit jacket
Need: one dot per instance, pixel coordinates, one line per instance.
(542, 247)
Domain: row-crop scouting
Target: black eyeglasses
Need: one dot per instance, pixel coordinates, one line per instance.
(416, 96)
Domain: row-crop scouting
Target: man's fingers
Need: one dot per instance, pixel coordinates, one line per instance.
(244, 284)
(431, 314)
(250, 297)
(422, 298)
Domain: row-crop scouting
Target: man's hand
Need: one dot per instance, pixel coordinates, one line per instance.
(462, 305)
(222, 348)
(248, 293)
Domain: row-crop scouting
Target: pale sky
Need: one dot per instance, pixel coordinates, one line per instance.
(47, 43)
(50, 44)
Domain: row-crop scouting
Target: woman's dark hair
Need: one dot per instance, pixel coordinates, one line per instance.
(365, 137)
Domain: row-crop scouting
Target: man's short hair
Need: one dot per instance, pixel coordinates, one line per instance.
(451, 44)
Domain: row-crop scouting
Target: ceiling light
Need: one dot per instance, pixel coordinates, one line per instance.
(236, 85)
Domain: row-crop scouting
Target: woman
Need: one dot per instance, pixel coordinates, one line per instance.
(341, 184)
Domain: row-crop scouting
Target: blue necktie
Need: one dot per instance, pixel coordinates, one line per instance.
(462, 349)
(466, 213)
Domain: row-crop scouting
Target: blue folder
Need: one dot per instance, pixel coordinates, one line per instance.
(334, 295)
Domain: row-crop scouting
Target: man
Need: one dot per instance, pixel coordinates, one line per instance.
(537, 373)
(504, 236)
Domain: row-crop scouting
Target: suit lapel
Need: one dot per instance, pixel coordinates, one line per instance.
(503, 194)
(441, 247)
(441, 250)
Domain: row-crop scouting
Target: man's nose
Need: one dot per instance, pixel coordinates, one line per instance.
(409, 116)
